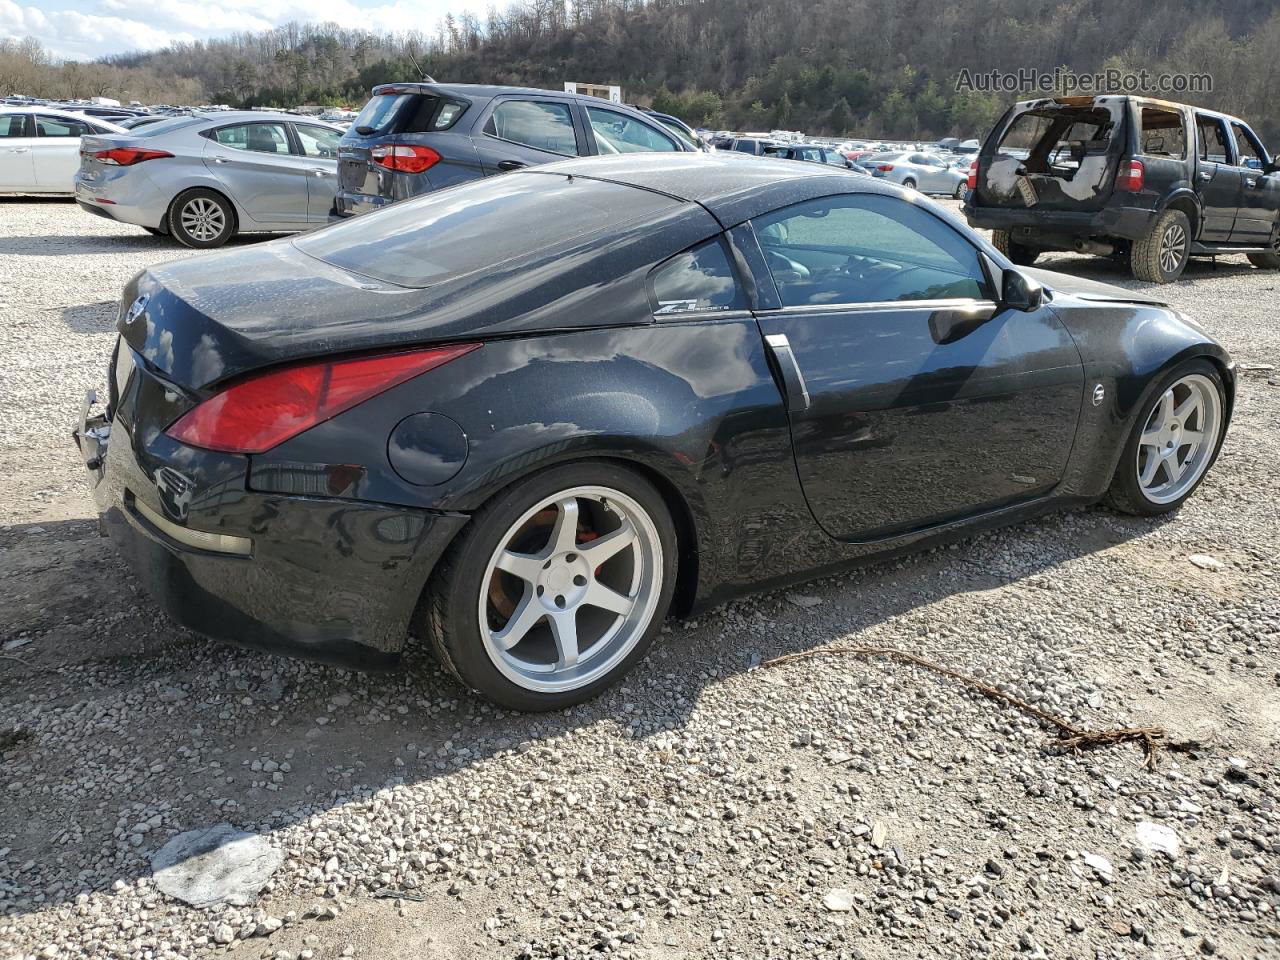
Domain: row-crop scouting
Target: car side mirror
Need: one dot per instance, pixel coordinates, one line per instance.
(1020, 292)
(1270, 168)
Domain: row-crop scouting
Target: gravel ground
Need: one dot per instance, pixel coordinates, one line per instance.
(830, 807)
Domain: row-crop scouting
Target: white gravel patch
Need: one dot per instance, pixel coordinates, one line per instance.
(832, 807)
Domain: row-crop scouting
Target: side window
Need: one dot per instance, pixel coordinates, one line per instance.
(60, 127)
(1163, 134)
(745, 146)
(701, 278)
(318, 141)
(257, 137)
(1251, 153)
(13, 125)
(1213, 140)
(537, 124)
(617, 133)
(919, 158)
(866, 249)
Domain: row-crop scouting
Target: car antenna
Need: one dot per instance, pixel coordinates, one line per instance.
(426, 77)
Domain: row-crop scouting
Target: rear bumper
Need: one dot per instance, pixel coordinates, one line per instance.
(331, 580)
(135, 200)
(347, 205)
(1030, 225)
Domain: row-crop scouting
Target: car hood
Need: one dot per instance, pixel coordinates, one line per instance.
(1089, 289)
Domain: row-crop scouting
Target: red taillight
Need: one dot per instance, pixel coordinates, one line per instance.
(1131, 177)
(257, 414)
(885, 167)
(406, 159)
(128, 156)
(972, 182)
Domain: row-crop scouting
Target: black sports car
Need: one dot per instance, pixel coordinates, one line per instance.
(525, 416)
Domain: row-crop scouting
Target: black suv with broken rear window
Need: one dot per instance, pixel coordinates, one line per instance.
(413, 138)
(1148, 182)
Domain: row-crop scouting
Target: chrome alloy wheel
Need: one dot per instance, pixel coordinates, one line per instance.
(1172, 248)
(1179, 438)
(203, 219)
(571, 588)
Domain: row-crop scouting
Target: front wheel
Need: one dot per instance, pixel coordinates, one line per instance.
(1175, 440)
(557, 588)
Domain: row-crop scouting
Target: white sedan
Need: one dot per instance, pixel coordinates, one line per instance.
(40, 148)
(926, 172)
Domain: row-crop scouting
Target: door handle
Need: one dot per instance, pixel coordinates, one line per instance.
(221, 159)
(1206, 177)
(511, 164)
(1250, 181)
(21, 150)
(321, 172)
(793, 380)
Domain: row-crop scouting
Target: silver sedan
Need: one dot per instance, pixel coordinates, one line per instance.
(926, 172)
(40, 147)
(203, 179)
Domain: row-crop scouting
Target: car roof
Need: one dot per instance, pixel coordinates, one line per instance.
(733, 186)
(64, 113)
(247, 116)
(485, 91)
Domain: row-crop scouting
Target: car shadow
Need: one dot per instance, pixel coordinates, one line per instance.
(73, 244)
(80, 638)
(1115, 272)
(97, 317)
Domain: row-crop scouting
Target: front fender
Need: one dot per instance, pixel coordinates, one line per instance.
(1127, 348)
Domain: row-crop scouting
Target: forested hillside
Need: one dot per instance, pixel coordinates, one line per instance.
(884, 67)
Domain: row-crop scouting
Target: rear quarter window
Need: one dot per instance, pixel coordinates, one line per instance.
(696, 280)
(1162, 134)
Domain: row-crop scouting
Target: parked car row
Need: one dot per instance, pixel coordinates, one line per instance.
(202, 178)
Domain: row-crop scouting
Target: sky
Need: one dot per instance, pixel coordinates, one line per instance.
(87, 29)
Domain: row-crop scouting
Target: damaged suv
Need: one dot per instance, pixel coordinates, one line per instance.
(1149, 182)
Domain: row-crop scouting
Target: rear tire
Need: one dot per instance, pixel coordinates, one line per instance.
(1018, 253)
(909, 183)
(1161, 256)
(1271, 260)
(514, 608)
(1141, 485)
(202, 219)
(960, 189)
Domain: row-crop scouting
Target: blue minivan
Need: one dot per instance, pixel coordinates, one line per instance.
(412, 138)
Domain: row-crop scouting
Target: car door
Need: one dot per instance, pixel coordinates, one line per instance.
(526, 131)
(1259, 191)
(17, 171)
(56, 151)
(1217, 182)
(318, 147)
(914, 397)
(256, 166)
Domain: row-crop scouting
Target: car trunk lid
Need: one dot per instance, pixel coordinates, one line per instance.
(1054, 154)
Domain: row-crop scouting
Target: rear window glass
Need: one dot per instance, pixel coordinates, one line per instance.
(1163, 134)
(163, 126)
(380, 112)
(1058, 137)
(476, 226)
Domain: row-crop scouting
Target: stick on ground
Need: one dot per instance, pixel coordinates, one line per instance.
(1070, 736)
